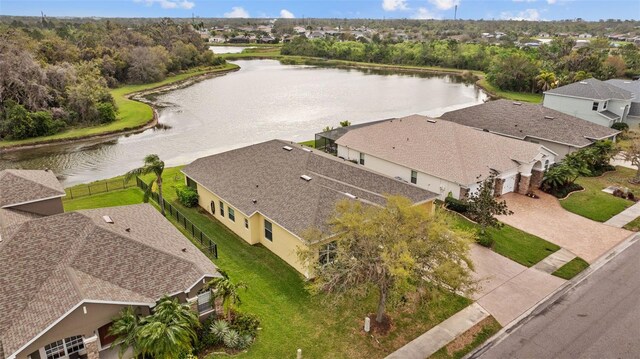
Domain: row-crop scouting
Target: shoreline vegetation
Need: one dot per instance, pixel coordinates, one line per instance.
(136, 114)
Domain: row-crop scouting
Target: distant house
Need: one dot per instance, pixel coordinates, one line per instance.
(240, 40)
(592, 100)
(267, 40)
(316, 35)
(585, 36)
(445, 157)
(64, 276)
(555, 130)
(273, 192)
(217, 39)
(633, 117)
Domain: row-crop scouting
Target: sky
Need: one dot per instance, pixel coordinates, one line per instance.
(417, 9)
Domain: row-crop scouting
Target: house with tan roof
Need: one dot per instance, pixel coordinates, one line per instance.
(271, 193)
(592, 100)
(64, 276)
(444, 157)
(534, 123)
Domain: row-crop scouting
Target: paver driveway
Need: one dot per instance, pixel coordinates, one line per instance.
(545, 218)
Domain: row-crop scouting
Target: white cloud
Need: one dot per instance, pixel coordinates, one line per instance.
(526, 0)
(237, 11)
(393, 5)
(170, 4)
(527, 15)
(551, 2)
(423, 13)
(286, 14)
(445, 4)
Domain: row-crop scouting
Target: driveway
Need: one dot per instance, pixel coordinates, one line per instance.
(508, 289)
(545, 218)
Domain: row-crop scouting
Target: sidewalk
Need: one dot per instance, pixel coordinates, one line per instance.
(624, 217)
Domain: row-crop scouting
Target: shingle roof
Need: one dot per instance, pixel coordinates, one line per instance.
(634, 88)
(336, 133)
(522, 120)
(50, 264)
(270, 175)
(592, 89)
(19, 186)
(441, 148)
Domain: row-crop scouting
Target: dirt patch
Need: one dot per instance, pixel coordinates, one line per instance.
(381, 328)
(469, 336)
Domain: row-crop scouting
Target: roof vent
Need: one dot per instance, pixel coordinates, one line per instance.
(287, 148)
(254, 201)
(518, 103)
(306, 149)
(431, 120)
(107, 219)
(350, 195)
(184, 249)
(306, 178)
(127, 229)
(549, 117)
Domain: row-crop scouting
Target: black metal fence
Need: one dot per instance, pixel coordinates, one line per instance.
(99, 187)
(172, 211)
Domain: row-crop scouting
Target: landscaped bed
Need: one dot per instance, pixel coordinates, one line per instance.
(633, 225)
(469, 340)
(597, 205)
(290, 317)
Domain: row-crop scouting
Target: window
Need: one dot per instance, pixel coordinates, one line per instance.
(246, 223)
(204, 301)
(103, 334)
(546, 165)
(327, 253)
(268, 230)
(191, 183)
(221, 209)
(232, 214)
(595, 106)
(362, 158)
(64, 348)
(213, 207)
(604, 105)
(414, 177)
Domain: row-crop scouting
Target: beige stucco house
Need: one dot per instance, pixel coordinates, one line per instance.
(64, 276)
(445, 157)
(271, 193)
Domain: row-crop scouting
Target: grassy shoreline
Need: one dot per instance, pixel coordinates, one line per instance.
(132, 114)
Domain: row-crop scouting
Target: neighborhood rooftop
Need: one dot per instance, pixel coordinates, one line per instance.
(23, 186)
(525, 120)
(592, 89)
(50, 265)
(441, 148)
(634, 88)
(293, 186)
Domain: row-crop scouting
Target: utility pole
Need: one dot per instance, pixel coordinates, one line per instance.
(455, 13)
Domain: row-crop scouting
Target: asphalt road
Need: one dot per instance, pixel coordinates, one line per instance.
(599, 318)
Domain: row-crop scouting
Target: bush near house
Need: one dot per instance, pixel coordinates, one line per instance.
(187, 196)
(456, 205)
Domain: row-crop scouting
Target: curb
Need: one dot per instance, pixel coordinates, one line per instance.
(549, 300)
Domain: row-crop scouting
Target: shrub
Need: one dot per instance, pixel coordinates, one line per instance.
(485, 240)
(219, 330)
(246, 324)
(245, 341)
(631, 196)
(232, 339)
(106, 112)
(206, 339)
(456, 205)
(187, 196)
(620, 126)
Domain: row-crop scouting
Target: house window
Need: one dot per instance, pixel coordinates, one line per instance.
(246, 223)
(362, 158)
(268, 230)
(191, 183)
(604, 105)
(64, 348)
(414, 177)
(595, 105)
(232, 214)
(546, 165)
(204, 301)
(103, 334)
(327, 253)
(213, 207)
(221, 209)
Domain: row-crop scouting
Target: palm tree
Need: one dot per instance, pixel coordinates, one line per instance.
(169, 331)
(226, 290)
(125, 328)
(546, 80)
(152, 164)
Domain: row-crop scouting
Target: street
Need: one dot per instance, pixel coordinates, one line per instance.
(599, 318)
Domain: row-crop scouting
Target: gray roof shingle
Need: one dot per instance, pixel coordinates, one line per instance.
(592, 89)
(50, 264)
(522, 120)
(634, 88)
(270, 175)
(20, 186)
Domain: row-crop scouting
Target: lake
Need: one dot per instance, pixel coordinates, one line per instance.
(227, 49)
(262, 101)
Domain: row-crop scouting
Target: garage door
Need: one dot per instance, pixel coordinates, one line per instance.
(509, 184)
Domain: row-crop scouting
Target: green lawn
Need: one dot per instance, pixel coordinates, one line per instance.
(510, 95)
(512, 243)
(310, 143)
(131, 114)
(597, 205)
(571, 268)
(490, 326)
(292, 318)
(633, 225)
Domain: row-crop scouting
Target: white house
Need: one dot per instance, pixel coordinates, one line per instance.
(633, 117)
(592, 100)
(445, 157)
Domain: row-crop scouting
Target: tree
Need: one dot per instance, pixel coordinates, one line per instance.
(546, 81)
(396, 249)
(515, 72)
(226, 290)
(632, 154)
(484, 206)
(345, 123)
(152, 164)
(147, 64)
(559, 175)
(125, 328)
